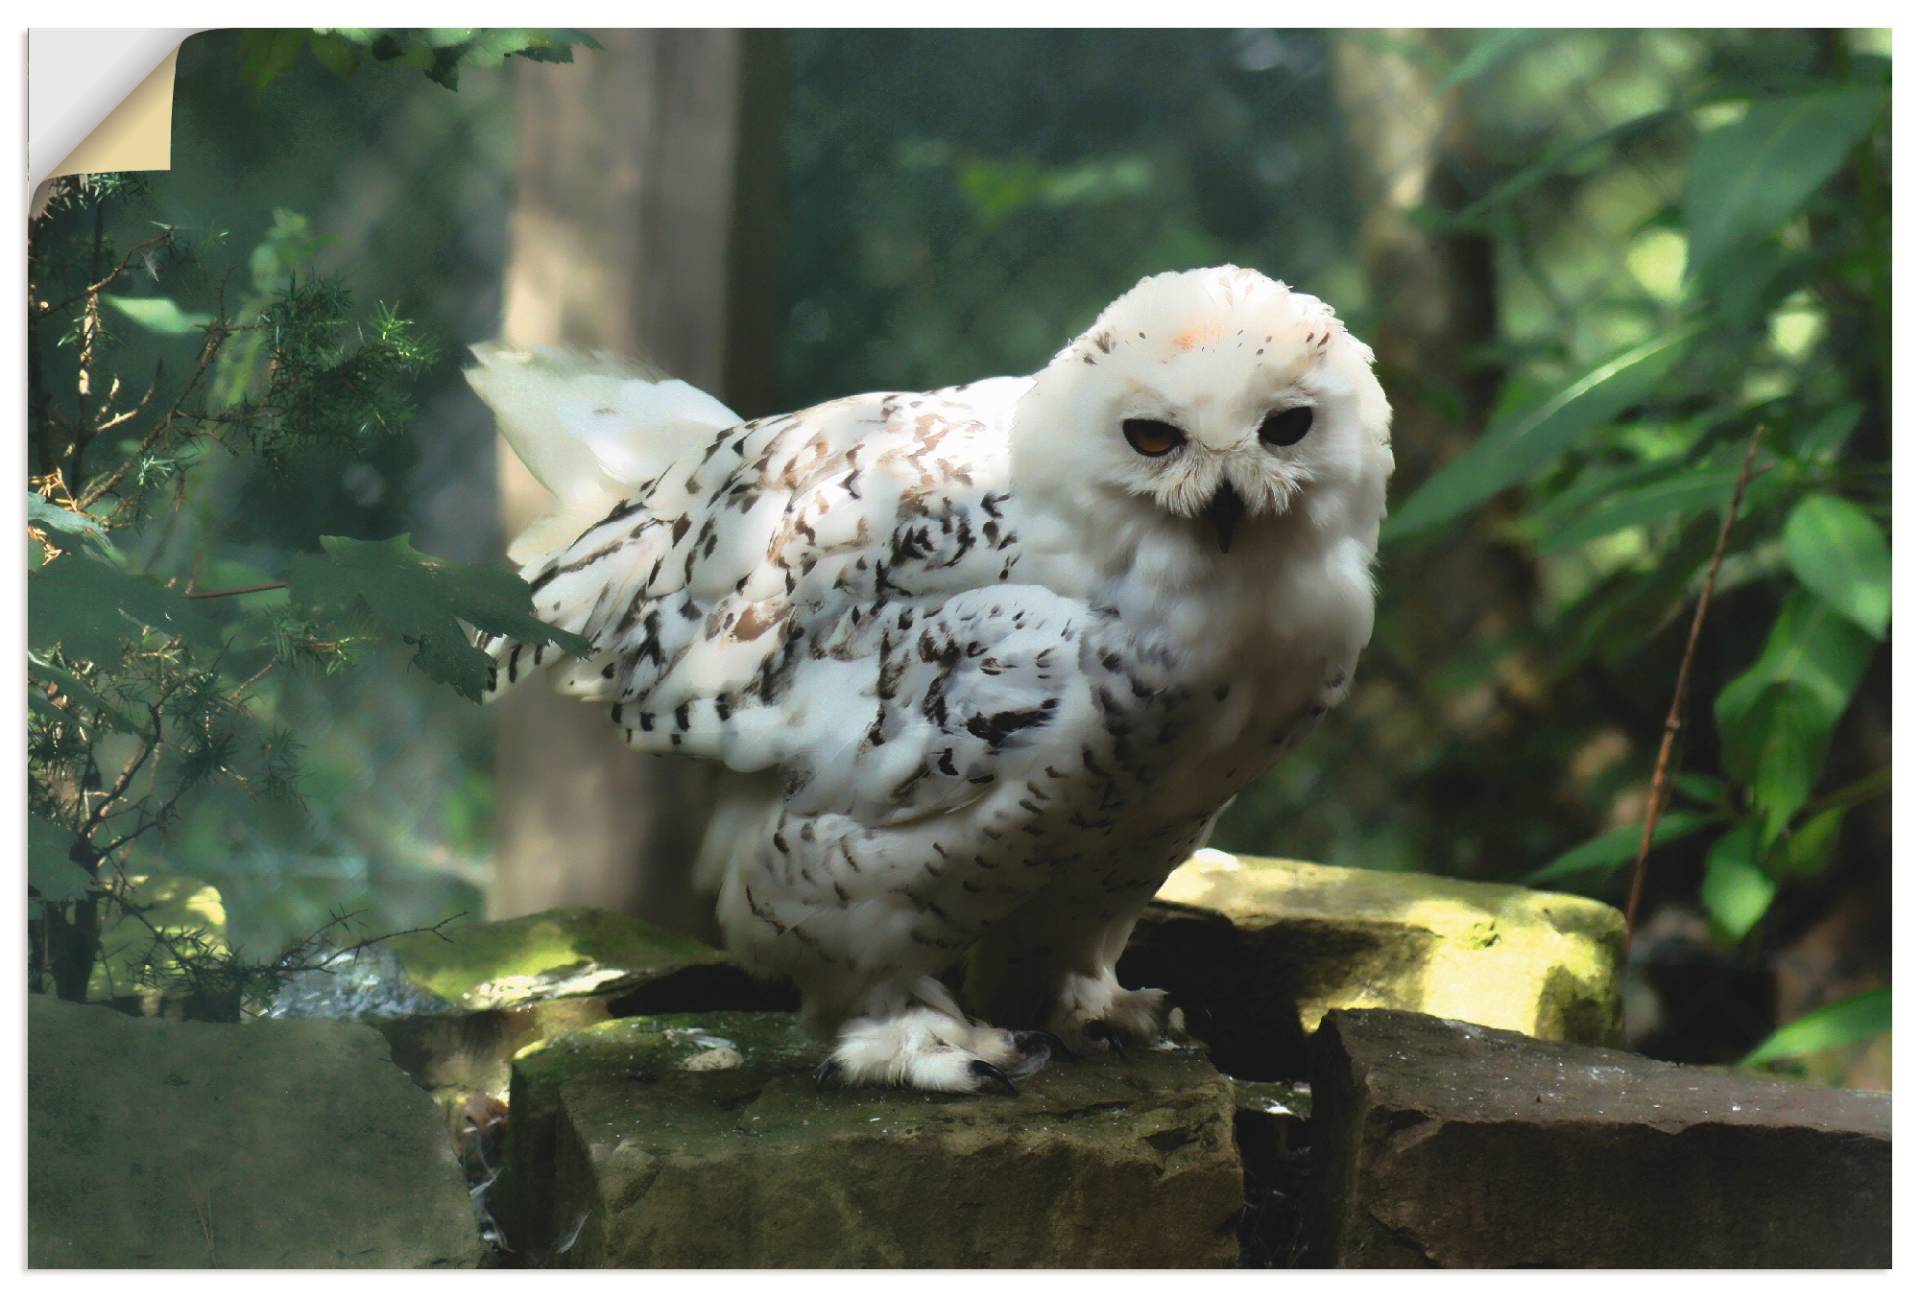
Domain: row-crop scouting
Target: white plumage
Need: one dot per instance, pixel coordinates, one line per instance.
(984, 663)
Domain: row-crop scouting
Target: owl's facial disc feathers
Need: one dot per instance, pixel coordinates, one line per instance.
(1270, 408)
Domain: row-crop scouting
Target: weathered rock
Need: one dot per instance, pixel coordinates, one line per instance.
(266, 1144)
(1260, 949)
(1444, 1143)
(702, 1141)
(457, 1006)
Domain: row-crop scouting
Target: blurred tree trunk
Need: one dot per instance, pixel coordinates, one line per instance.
(636, 167)
(1433, 292)
(1434, 298)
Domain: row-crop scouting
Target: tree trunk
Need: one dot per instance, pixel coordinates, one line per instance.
(629, 189)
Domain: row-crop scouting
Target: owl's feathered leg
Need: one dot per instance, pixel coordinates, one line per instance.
(1053, 966)
(916, 1036)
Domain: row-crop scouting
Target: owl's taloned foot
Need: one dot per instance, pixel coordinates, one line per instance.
(991, 1077)
(923, 1048)
(1107, 1018)
(1040, 1046)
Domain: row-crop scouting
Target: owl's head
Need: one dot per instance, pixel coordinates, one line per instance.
(1217, 403)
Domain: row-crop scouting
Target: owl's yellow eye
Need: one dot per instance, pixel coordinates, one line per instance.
(1152, 437)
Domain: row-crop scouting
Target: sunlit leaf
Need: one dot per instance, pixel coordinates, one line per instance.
(1736, 890)
(42, 512)
(1779, 746)
(1515, 447)
(267, 53)
(1842, 556)
(158, 314)
(1749, 177)
(1487, 52)
(423, 600)
(1810, 849)
(1617, 847)
(1810, 644)
(1682, 493)
(1844, 1022)
(338, 56)
(1563, 160)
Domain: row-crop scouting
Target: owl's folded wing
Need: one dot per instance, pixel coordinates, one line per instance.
(811, 591)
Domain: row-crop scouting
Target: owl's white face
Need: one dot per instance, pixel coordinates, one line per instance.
(1221, 399)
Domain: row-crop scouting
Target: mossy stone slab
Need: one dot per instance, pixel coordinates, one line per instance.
(1264, 948)
(156, 1144)
(512, 982)
(579, 951)
(701, 1140)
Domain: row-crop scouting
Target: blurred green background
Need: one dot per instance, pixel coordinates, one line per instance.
(1603, 259)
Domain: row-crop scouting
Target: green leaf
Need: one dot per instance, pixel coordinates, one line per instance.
(1686, 492)
(1750, 177)
(422, 600)
(1562, 160)
(267, 53)
(42, 512)
(1810, 849)
(1706, 789)
(1842, 556)
(1810, 644)
(1518, 445)
(1736, 891)
(89, 609)
(336, 54)
(78, 691)
(1778, 745)
(1617, 847)
(51, 870)
(1487, 53)
(157, 314)
(1844, 1022)
(1825, 436)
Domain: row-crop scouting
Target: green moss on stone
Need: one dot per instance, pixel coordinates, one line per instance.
(559, 952)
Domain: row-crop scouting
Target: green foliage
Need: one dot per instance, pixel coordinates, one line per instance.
(1841, 554)
(438, 52)
(1514, 448)
(1844, 1022)
(422, 600)
(1752, 177)
(1747, 291)
(144, 686)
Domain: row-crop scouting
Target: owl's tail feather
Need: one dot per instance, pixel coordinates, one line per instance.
(590, 427)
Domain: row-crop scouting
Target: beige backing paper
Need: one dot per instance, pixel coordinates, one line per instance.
(136, 136)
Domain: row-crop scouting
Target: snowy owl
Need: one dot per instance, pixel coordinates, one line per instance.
(983, 664)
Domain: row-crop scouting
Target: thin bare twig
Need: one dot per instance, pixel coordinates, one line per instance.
(245, 589)
(1663, 764)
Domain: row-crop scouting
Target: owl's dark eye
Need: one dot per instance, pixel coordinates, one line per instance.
(1285, 427)
(1152, 437)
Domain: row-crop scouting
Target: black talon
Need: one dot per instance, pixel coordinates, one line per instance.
(980, 1067)
(825, 1073)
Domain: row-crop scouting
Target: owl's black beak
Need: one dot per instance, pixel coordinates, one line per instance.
(1224, 511)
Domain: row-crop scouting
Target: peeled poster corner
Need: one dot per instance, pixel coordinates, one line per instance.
(99, 100)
